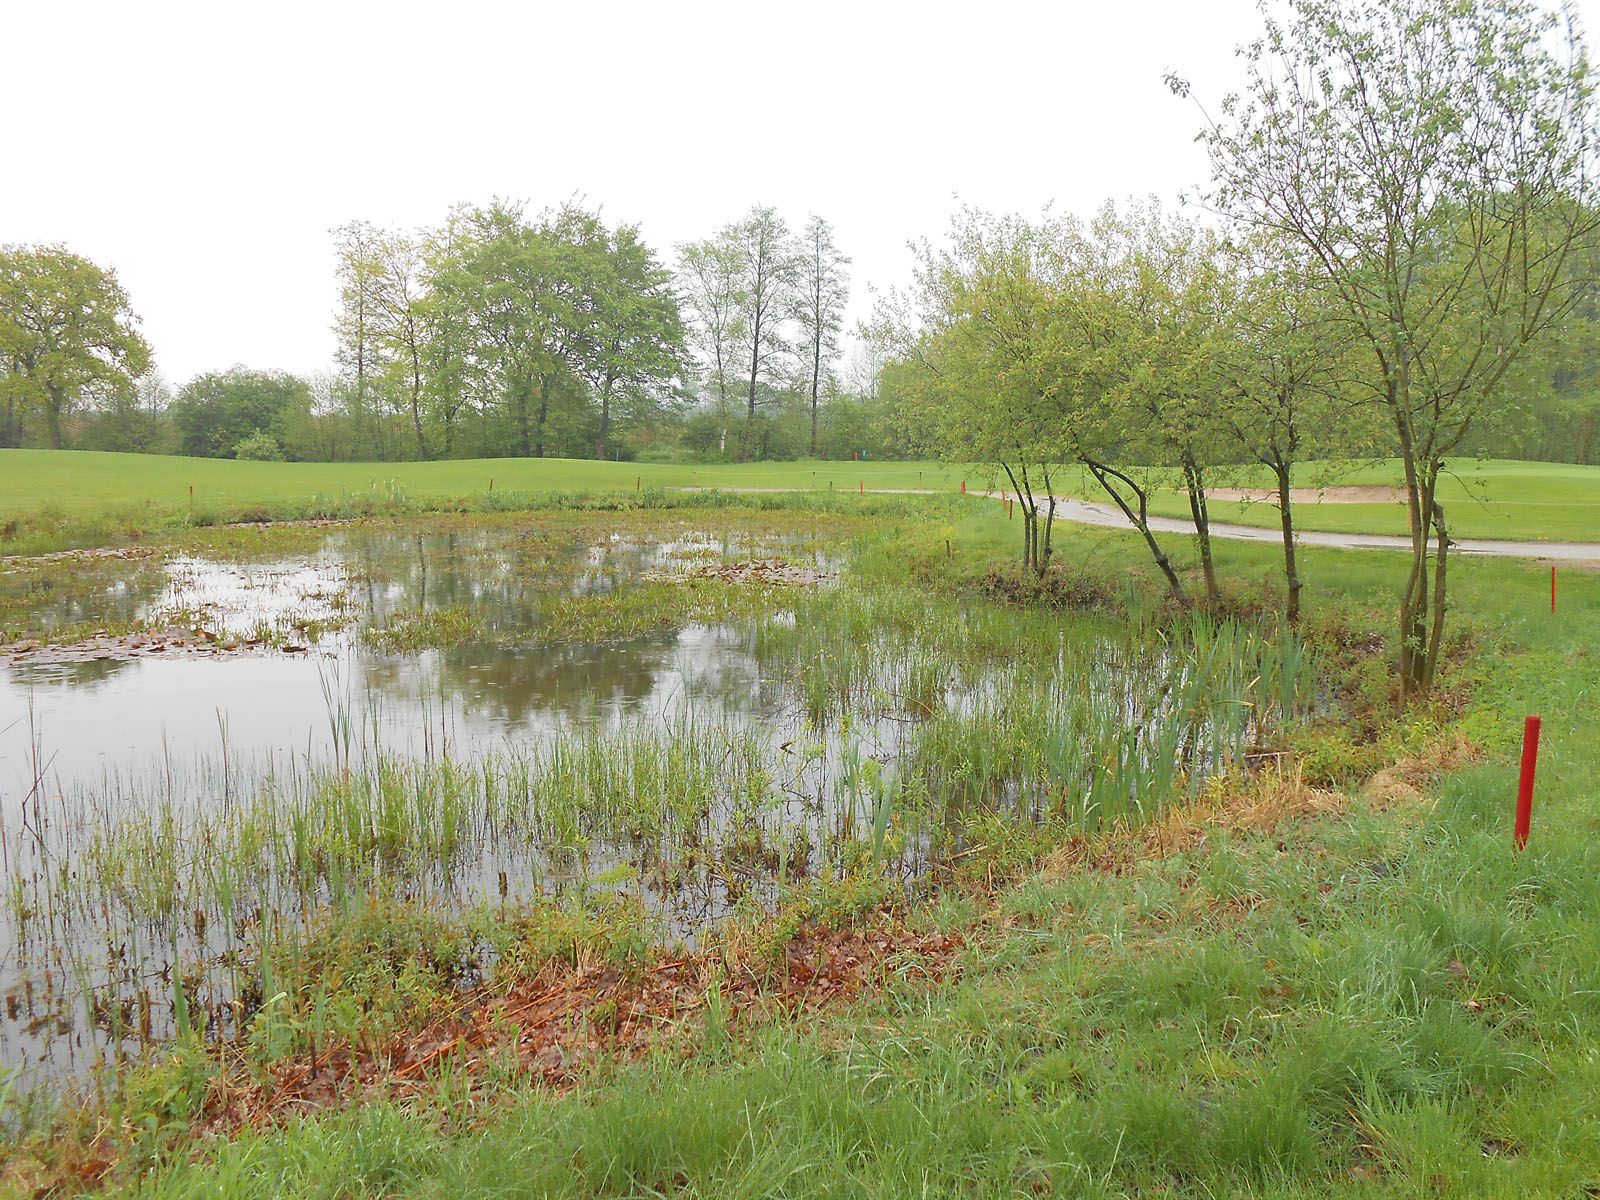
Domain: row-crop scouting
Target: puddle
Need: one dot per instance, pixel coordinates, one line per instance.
(233, 749)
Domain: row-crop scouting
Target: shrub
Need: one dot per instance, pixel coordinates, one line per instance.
(259, 446)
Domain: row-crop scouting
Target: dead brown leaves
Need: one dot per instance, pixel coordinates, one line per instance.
(1405, 780)
(1268, 798)
(775, 571)
(551, 1028)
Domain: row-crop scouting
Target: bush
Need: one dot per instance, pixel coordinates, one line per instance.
(259, 446)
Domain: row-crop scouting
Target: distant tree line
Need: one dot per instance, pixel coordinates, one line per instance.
(498, 332)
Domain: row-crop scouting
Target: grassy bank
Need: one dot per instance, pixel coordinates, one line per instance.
(1288, 984)
(56, 499)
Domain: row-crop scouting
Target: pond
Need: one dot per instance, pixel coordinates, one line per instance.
(202, 755)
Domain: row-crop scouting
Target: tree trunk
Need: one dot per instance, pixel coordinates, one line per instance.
(1104, 474)
(1291, 574)
(53, 405)
(1414, 595)
(605, 415)
(1436, 633)
(1194, 480)
(816, 383)
(1049, 520)
(524, 435)
(416, 403)
(544, 411)
(755, 362)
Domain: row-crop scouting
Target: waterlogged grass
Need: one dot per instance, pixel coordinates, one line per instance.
(1381, 999)
(633, 611)
(1377, 1003)
(877, 761)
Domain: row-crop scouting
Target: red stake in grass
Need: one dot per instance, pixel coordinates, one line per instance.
(963, 487)
(1530, 759)
(1552, 589)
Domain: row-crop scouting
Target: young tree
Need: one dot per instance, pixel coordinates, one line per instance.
(821, 292)
(1161, 322)
(1436, 162)
(399, 325)
(358, 271)
(637, 341)
(1283, 374)
(67, 332)
(768, 266)
(709, 273)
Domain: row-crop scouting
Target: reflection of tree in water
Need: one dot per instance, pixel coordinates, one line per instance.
(69, 674)
(112, 590)
(403, 573)
(709, 668)
(569, 681)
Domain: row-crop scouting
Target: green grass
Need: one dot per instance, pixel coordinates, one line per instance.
(1384, 1001)
(1493, 498)
(110, 494)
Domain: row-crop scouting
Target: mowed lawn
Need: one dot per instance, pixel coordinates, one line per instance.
(1483, 498)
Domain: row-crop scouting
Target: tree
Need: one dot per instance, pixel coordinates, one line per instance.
(130, 419)
(766, 281)
(1284, 388)
(637, 340)
(216, 412)
(356, 243)
(709, 272)
(67, 332)
(821, 292)
(398, 297)
(526, 292)
(1162, 317)
(1435, 162)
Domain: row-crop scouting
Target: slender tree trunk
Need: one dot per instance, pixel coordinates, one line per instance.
(1194, 480)
(416, 404)
(1414, 595)
(1291, 574)
(524, 436)
(755, 362)
(1436, 633)
(1140, 520)
(816, 383)
(605, 414)
(544, 411)
(54, 403)
(1050, 518)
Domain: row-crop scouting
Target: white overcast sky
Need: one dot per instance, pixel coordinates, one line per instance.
(206, 150)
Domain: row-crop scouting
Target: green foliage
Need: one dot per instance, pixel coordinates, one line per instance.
(214, 414)
(67, 335)
(259, 446)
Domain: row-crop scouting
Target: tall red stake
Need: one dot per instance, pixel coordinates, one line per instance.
(1530, 759)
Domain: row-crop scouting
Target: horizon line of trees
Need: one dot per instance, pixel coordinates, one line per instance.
(495, 333)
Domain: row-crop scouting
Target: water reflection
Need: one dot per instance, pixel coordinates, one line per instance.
(111, 717)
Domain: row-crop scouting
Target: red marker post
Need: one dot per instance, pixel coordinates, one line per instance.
(1552, 589)
(963, 487)
(1530, 759)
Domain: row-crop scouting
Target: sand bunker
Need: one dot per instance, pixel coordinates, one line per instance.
(1351, 494)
